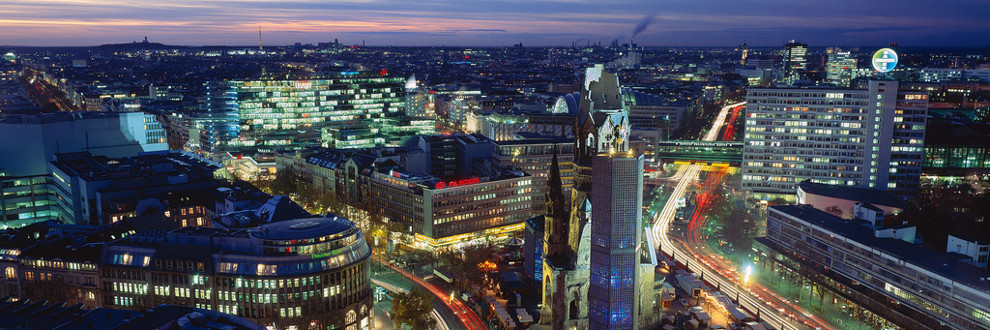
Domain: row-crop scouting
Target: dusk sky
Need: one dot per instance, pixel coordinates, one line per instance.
(496, 22)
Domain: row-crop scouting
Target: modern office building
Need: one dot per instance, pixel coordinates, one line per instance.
(839, 68)
(795, 60)
(616, 238)
(449, 156)
(938, 75)
(27, 190)
(304, 272)
(440, 212)
(534, 155)
(653, 119)
(871, 138)
(252, 116)
(94, 190)
(875, 258)
(505, 126)
(956, 150)
(533, 248)
(35, 139)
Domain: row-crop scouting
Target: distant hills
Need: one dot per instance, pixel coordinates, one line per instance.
(137, 46)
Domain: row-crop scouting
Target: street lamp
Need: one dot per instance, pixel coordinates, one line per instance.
(747, 273)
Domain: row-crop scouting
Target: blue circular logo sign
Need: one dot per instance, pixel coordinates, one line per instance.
(884, 60)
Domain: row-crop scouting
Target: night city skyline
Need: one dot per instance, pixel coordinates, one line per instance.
(495, 165)
(706, 23)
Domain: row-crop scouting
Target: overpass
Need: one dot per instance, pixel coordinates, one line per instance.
(711, 153)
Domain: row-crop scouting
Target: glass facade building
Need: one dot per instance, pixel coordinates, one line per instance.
(616, 234)
(251, 116)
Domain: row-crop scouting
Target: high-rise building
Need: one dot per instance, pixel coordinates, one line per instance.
(251, 116)
(840, 67)
(616, 237)
(871, 138)
(535, 154)
(592, 249)
(795, 60)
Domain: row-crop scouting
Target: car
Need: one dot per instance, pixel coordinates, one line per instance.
(683, 301)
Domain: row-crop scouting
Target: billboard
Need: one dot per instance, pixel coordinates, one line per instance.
(884, 60)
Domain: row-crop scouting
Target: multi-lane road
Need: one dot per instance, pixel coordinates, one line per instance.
(719, 271)
(464, 315)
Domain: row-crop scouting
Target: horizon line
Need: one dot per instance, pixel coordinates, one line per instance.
(485, 46)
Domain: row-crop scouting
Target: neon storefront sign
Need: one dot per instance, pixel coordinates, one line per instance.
(455, 183)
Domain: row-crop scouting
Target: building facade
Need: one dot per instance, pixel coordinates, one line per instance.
(36, 138)
(795, 60)
(251, 116)
(840, 67)
(534, 155)
(302, 273)
(443, 212)
(28, 189)
(505, 126)
(581, 248)
(311, 272)
(939, 289)
(97, 190)
(616, 237)
(870, 138)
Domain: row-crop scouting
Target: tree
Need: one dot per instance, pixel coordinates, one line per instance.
(778, 201)
(413, 308)
(834, 210)
(464, 265)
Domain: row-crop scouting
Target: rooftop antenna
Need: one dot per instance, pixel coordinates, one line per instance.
(260, 45)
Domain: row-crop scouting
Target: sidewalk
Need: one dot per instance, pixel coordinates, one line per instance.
(803, 296)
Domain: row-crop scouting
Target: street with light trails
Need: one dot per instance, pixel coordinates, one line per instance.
(720, 272)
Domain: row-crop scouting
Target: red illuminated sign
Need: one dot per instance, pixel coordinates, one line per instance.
(383, 72)
(304, 84)
(455, 183)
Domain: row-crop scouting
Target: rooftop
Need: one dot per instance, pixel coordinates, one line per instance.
(178, 166)
(876, 197)
(55, 117)
(29, 314)
(304, 228)
(948, 265)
